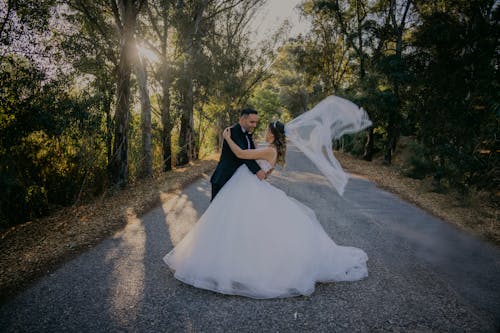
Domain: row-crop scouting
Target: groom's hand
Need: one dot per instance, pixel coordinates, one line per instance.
(227, 133)
(261, 174)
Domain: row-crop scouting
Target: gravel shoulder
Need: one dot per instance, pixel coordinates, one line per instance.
(475, 213)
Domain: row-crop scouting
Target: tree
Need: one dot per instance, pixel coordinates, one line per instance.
(350, 20)
(194, 20)
(159, 17)
(235, 68)
(95, 51)
(395, 69)
(324, 53)
(125, 16)
(16, 18)
(190, 14)
(46, 142)
(146, 164)
(455, 94)
(297, 87)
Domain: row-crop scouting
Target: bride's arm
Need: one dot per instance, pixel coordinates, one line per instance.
(247, 154)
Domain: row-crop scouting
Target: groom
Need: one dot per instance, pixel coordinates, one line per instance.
(241, 134)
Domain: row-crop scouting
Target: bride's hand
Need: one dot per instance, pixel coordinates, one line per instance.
(227, 133)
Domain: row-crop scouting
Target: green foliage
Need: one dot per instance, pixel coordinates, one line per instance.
(30, 14)
(416, 161)
(47, 143)
(290, 80)
(435, 79)
(456, 90)
(266, 101)
(352, 143)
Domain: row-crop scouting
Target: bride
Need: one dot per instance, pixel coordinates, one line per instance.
(254, 240)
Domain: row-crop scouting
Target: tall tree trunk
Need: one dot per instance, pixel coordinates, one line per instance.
(219, 129)
(184, 134)
(159, 12)
(389, 144)
(199, 138)
(191, 142)
(146, 165)
(393, 127)
(187, 135)
(166, 122)
(360, 17)
(119, 160)
(368, 154)
(166, 133)
(109, 128)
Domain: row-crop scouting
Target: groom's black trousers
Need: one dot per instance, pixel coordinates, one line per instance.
(215, 189)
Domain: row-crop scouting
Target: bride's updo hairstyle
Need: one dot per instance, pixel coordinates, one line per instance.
(278, 130)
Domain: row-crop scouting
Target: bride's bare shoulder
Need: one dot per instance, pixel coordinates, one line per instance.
(267, 149)
(269, 153)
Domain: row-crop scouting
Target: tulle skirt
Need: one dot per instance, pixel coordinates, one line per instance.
(255, 241)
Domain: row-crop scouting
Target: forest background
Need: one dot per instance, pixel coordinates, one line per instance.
(95, 95)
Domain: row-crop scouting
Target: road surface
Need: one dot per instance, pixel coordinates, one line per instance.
(425, 275)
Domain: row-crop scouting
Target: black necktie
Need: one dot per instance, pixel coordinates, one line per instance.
(249, 139)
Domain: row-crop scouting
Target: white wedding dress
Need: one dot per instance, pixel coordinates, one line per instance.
(254, 240)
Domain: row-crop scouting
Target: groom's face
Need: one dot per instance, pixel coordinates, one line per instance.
(250, 122)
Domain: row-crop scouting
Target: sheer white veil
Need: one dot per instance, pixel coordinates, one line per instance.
(314, 131)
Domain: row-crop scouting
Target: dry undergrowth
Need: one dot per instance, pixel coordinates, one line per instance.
(33, 249)
(475, 214)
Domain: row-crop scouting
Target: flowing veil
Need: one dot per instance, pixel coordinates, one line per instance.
(314, 131)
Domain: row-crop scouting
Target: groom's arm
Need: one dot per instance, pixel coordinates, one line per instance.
(241, 142)
(252, 165)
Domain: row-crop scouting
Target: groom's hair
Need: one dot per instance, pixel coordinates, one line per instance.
(247, 111)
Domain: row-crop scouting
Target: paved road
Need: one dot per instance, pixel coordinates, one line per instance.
(425, 275)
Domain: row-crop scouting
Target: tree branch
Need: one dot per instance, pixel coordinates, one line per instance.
(403, 20)
(116, 14)
(220, 10)
(153, 22)
(97, 22)
(7, 15)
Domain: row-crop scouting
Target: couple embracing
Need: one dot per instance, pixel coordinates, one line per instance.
(254, 240)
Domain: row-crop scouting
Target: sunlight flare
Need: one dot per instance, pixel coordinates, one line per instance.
(147, 53)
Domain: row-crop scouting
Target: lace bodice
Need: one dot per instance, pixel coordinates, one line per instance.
(264, 165)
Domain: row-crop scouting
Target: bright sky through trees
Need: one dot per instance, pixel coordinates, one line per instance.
(272, 16)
